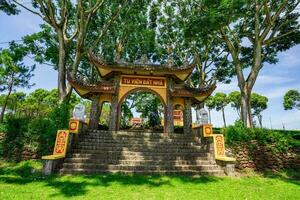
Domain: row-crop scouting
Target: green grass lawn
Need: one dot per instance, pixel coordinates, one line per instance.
(24, 181)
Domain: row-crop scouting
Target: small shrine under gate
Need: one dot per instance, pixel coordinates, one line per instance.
(118, 80)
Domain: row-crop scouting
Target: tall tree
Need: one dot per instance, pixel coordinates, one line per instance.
(253, 32)
(269, 26)
(259, 103)
(69, 32)
(291, 100)
(15, 102)
(221, 101)
(235, 101)
(13, 73)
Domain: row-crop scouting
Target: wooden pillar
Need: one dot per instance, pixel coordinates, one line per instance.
(114, 112)
(113, 121)
(187, 116)
(95, 113)
(170, 107)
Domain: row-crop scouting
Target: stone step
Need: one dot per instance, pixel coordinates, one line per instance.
(162, 172)
(139, 149)
(142, 140)
(122, 143)
(141, 152)
(138, 134)
(139, 161)
(165, 157)
(120, 167)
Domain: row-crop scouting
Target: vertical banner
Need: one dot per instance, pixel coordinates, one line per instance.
(219, 145)
(61, 142)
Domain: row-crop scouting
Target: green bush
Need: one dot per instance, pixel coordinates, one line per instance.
(60, 115)
(41, 134)
(42, 131)
(37, 134)
(274, 140)
(14, 139)
(237, 133)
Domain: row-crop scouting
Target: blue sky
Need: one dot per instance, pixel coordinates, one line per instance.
(273, 82)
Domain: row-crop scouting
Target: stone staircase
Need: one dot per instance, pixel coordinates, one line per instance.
(139, 153)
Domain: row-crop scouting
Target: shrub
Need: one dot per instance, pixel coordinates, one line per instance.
(60, 115)
(38, 134)
(41, 134)
(273, 140)
(237, 133)
(42, 131)
(14, 138)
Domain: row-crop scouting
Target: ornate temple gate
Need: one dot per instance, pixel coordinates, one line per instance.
(119, 80)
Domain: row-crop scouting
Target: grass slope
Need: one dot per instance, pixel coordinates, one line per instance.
(24, 181)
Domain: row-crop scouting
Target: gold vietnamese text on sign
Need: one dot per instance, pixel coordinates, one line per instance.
(61, 142)
(143, 81)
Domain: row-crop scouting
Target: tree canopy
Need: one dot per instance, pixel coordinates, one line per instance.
(13, 73)
(259, 103)
(291, 100)
(253, 32)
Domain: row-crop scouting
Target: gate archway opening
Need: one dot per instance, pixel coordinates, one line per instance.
(105, 109)
(142, 109)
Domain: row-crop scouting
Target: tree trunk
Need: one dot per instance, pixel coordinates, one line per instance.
(224, 120)
(95, 113)
(245, 107)
(62, 89)
(250, 116)
(259, 117)
(5, 103)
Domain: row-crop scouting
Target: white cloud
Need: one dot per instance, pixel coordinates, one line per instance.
(271, 80)
(277, 92)
(227, 88)
(290, 59)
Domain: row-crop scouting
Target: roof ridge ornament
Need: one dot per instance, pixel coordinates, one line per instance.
(106, 70)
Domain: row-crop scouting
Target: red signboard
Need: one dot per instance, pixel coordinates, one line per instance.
(177, 114)
(136, 121)
(61, 142)
(127, 80)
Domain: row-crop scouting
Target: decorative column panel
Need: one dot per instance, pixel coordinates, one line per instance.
(95, 113)
(187, 116)
(114, 112)
(170, 107)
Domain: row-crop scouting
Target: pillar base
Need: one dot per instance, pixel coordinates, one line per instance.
(228, 167)
(51, 166)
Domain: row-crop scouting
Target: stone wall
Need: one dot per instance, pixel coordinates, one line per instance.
(258, 157)
(28, 154)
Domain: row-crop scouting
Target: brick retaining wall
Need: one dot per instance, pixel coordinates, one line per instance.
(259, 157)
